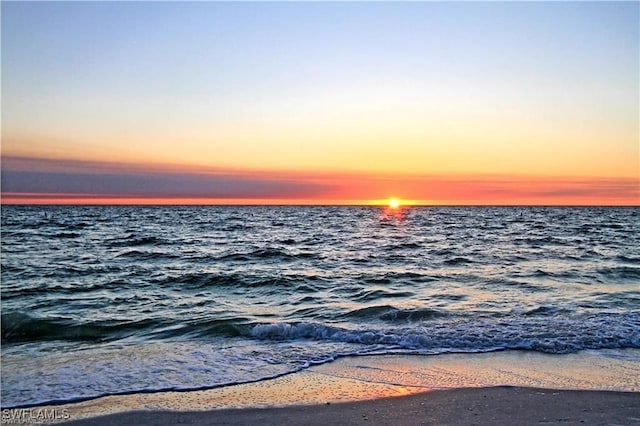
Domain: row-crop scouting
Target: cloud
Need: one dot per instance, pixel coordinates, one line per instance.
(46, 176)
(51, 180)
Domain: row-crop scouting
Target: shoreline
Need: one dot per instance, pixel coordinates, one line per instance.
(585, 378)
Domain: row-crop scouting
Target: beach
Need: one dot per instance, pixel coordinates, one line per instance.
(508, 387)
(496, 406)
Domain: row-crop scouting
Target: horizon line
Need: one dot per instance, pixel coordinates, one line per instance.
(319, 204)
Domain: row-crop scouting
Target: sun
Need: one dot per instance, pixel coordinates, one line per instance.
(394, 203)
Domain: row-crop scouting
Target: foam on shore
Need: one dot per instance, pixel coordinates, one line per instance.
(374, 377)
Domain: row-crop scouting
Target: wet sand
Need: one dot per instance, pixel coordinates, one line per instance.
(508, 387)
(480, 406)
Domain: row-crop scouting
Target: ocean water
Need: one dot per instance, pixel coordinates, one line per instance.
(100, 300)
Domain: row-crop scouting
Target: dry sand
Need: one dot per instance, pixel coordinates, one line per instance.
(480, 406)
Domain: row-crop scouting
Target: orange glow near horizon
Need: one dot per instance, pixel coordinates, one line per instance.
(46, 181)
(95, 199)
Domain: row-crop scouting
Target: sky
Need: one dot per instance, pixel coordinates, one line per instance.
(321, 102)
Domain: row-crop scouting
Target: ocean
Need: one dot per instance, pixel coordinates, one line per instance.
(103, 300)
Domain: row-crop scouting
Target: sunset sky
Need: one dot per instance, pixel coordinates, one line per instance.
(296, 102)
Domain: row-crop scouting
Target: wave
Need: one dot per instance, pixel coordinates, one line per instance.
(372, 295)
(545, 329)
(628, 259)
(545, 311)
(369, 312)
(230, 327)
(396, 277)
(458, 261)
(69, 289)
(391, 314)
(620, 273)
(569, 274)
(77, 226)
(63, 235)
(267, 254)
(133, 240)
(555, 336)
(410, 315)
(401, 246)
(206, 280)
(147, 255)
(21, 327)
